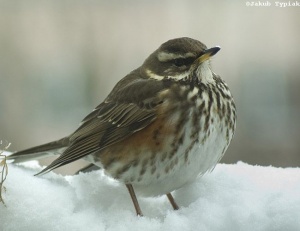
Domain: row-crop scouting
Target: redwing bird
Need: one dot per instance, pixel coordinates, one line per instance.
(162, 125)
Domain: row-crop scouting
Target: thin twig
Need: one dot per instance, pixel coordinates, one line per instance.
(4, 170)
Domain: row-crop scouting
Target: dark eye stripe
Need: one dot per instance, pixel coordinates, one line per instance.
(181, 61)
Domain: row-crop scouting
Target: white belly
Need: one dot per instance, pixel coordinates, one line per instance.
(202, 158)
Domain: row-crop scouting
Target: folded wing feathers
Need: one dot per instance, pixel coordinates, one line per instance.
(108, 126)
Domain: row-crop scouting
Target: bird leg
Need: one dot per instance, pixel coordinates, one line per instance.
(134, 200)
(172, 201)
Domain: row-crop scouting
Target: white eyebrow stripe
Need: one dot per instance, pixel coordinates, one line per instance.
(164, 56)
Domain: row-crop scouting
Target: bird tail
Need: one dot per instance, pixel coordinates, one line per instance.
(41, 151)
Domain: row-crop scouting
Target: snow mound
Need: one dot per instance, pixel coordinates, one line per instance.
(232, 197)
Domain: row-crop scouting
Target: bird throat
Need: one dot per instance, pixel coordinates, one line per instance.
(204, 73)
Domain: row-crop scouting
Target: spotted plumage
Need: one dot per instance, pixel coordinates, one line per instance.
(161, 126)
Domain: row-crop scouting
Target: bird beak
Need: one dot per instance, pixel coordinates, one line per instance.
(208, 53)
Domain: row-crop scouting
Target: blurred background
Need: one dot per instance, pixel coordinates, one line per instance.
(59, 59)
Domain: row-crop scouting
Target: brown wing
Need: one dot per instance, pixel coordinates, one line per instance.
(121, 115)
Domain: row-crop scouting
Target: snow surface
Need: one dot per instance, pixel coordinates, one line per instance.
(232, 197)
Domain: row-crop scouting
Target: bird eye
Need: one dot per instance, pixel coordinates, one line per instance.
(181, 62)
(178, 62)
